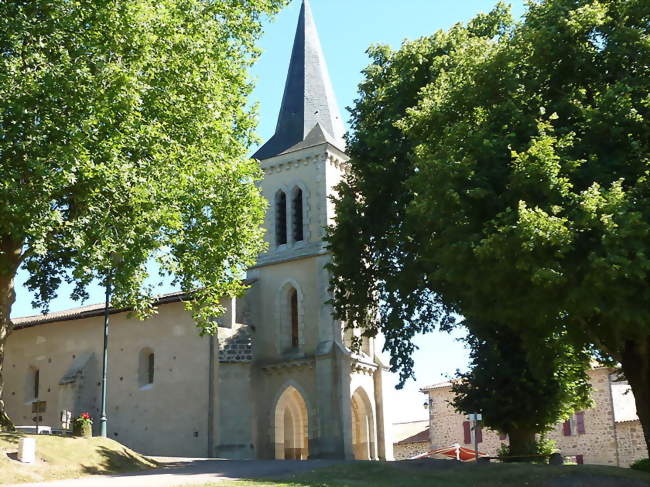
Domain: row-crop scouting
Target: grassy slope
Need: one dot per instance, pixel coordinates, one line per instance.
(60, 458)
(450, 475)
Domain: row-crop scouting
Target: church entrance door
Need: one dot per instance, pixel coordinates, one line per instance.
(291, 426)
(363, 427)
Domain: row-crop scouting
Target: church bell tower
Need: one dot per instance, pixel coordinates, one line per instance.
(313, 397)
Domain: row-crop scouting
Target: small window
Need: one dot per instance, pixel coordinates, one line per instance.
(37, 383)
(295, 337)
(297, 219)
(150, 366)
(281, 218)
(146, 368)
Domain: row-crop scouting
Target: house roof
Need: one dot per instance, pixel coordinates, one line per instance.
(88, 311)
(408, 429)
(93, 310)
(420, 437)
(308, 99)
(439, 385)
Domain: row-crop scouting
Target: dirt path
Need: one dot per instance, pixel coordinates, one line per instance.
(192, 472)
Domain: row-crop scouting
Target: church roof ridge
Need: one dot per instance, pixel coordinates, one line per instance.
(94, 310)
(308, 98)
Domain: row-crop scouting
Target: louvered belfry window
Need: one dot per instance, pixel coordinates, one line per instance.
(281, 218)
(297, 216)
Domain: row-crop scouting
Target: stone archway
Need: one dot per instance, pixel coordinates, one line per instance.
(363, 427)
(291, 426)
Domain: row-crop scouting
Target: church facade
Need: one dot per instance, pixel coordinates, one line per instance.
(279, 381)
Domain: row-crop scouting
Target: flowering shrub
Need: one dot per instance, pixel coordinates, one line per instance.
(84, 419)
(83, 426)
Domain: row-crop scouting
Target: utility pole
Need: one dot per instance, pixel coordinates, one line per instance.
(476, 436)
(103, 419)
(474, 419)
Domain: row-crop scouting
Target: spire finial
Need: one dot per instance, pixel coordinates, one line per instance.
(308, 95)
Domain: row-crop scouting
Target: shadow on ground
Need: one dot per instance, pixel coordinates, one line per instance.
(117, 461)
(453, 474)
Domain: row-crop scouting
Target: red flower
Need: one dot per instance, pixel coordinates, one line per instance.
(85, 416)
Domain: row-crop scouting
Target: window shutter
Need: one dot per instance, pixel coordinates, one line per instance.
(468, 432)
(566, 428)
(580, 420)
(503, 437)
(479, 434)
(580, 460)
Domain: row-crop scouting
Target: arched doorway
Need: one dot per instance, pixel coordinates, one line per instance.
(291, 426)
(363, 427)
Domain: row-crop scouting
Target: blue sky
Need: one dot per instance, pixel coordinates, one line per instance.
(347, 28)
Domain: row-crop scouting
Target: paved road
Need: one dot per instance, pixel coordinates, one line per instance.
(193, 472)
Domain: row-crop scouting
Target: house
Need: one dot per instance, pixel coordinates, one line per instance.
(411, 438)
(609, 433)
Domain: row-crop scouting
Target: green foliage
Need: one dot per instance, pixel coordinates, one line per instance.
(519, 391)
(123, 137)
(643, 465)
(379, 279)
(124, 133)
(544, 447)
(503, 175)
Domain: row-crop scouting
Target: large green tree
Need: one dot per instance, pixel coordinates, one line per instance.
(124, 130)
(518, 393)
(505, 176)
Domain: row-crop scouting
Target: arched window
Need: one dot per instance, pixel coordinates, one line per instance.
(146, 368)
(37, 383)
(281, 218)
(150, 367)
(297, 218)
(295, 333)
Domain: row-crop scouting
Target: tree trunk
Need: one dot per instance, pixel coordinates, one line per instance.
(9, 262)
(522, 443)
(635, 360)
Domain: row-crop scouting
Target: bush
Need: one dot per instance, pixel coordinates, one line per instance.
(544, 448)
(643, 465)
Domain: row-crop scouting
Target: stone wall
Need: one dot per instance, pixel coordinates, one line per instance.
(447, 425)
(631, 445)
(166, 417)
(597, 445)
(410, 450)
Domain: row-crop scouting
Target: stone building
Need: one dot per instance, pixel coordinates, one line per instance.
(279, 380)
(411, 439)
(609, 433)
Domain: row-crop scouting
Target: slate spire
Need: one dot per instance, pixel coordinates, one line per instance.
(309, 114)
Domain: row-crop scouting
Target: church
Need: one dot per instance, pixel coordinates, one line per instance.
(279, 381)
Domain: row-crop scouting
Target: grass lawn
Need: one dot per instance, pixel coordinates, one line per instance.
(450, 474)
(63, 458)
